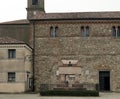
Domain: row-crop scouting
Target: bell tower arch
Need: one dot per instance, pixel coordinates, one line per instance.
(34, 7)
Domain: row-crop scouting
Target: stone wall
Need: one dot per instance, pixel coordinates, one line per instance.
(73, 28)
(99, 52)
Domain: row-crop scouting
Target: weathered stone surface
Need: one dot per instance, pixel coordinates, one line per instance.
(99, 52)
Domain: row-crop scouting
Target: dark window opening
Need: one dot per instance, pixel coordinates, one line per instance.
(116, 31)
(56, 31)
(30, 83)
(82, 31)
(34, 2)
(11, 53)
(11, 76)
(85, 31)
(53, 31)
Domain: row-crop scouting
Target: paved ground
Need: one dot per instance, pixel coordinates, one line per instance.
(36, 96)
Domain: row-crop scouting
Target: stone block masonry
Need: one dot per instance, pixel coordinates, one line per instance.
(98, 52)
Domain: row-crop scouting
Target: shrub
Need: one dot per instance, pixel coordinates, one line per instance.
(69, 93)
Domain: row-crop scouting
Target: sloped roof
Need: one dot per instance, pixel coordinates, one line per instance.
(60, 16)
(15, 22)
(9, 40)
(77, 15)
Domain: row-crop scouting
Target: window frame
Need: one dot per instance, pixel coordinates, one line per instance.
(11, 53)
(34, 2)
(85, 31)
(116, 31)
(82, 31)
(11, 77)
(53, 31)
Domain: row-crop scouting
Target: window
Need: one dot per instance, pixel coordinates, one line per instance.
(85, 31)
(11, 76)
(34, 2)
(30, 82)
(56, 30)
(116, 31)
(53, 31)
(82, 31)
(11, 53)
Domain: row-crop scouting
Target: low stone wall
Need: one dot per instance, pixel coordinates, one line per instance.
(67, 87)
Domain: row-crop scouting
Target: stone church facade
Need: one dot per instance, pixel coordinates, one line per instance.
(72, 48)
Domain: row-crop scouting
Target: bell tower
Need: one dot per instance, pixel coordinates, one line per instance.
(34, 7)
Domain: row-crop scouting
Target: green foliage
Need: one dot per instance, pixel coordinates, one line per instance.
(69, 93)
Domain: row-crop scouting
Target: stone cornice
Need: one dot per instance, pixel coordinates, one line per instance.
(76, 21)
(15, 46)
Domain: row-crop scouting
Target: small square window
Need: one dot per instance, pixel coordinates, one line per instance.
(11, 76)
(11, 53)
(34, 2)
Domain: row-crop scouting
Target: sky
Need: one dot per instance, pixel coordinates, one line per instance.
(16, 9)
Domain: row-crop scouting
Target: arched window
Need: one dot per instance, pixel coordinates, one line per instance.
(87, 31)
(34, 2)
(56, 31)
(53, 31)
(82, 31)
(118, 31)
(114, 31)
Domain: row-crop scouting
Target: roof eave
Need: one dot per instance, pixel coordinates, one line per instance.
(59, 19)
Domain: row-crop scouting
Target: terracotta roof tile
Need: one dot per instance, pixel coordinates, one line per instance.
(8, 40)
(24, 21)
(77, 15)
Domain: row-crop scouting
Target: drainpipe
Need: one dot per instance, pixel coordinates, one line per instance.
(33, 56)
